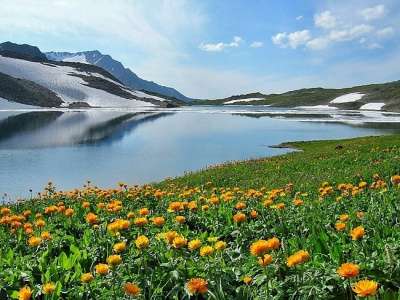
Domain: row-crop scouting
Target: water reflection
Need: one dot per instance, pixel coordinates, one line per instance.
(39, 129)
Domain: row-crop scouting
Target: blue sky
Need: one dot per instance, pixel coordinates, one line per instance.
(210, 48)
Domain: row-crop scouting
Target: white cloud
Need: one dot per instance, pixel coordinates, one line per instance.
(350, 33)
(318, 43)
(299, 18)
(218, 47)
(385, 32)
(293, 39)
(325, 20)
(372, 13)
(256, 44)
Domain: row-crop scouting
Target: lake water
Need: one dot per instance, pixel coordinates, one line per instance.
(136, 147)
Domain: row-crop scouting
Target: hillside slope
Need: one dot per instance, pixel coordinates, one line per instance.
(27, 75)
(385, 96)
(125, 75)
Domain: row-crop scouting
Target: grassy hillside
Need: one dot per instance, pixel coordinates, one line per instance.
(321, 223)
(389, 93)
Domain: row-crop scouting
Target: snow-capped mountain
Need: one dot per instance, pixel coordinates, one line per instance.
(27, 77)
(125, 75)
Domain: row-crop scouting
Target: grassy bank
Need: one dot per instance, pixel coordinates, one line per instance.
(307, 225)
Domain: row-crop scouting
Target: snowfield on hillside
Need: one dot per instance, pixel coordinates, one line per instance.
(372, 106)
(243, 100)
(352, 97)
(69, 88)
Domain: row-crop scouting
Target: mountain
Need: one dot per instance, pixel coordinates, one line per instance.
(125, 75)
(23, 51)
(382, 96)
(27, 77)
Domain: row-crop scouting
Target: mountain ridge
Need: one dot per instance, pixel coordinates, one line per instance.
(116, 68)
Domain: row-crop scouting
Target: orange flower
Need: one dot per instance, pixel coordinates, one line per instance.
(365, 288)
(197, 286)
(114, 260)
(254, 214)
(340, 226)
(194, 244)
(102, 269)
(46, 235)
(179, 242)
(142, 242)
(247, 280)
(357, 233)
(144, 211)
(297, 258)
(220, 245)
(48, 288)
(158, 221)
(240, 205)
(140, 221)
(86, 278)
(69, 212)
(131, 289)
(348, 270)
(265, 260)
(206, 251)
(119, 247)
(239, 217)
(180, 219)
(91, 218)
(259, 247)
(34, 241)
(25, 293)
(298, 202)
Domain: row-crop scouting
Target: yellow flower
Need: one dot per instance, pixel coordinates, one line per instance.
(298, 202)
(34, 241)
(46, 235)
(142, 242)
(48, 288)
(206, 250)
(340, 226)
(194, 244)
(102, 269)
(265, 260)
(220, 245)
(247, 280)
(140, 221)
(119, 247)
(69, 212)
(365, 288)
(25, 293)
(131, 289)
(357, 233)
(86, 278)
(180, 219)
(197, 286)
(40, 223)
(179, 242)
(297, 258)
(114, 260)
(348, 270)
(344, 217)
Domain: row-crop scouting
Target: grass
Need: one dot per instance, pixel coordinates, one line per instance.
(203, 235)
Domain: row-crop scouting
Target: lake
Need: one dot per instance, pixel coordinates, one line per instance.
(142, 146)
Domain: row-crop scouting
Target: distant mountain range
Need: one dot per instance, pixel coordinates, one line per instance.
(125, 75)
(382, 97)
(28, 77)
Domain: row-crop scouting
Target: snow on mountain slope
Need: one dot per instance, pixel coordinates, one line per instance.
(243, 100)
(352, 97)
(66, 83)
(118, 70)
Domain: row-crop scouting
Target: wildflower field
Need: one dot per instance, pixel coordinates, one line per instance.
(323, 223)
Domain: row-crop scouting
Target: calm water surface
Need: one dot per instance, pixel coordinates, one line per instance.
(108, 146)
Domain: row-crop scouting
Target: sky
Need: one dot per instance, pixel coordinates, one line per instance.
(217, 48)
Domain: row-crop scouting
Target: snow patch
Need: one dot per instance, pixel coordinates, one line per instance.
(243, 100)
(317, 107)
(352, 97)
(372, 106)
(77, 58)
